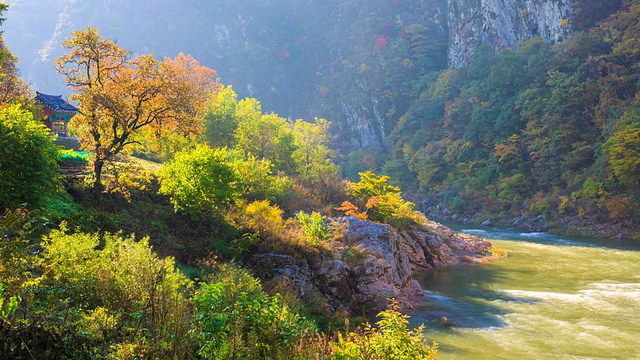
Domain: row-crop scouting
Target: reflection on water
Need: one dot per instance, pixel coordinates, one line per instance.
(553, 297)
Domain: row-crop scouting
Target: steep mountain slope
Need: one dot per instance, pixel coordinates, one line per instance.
(541, 130)
(501, 24)
(354, 63)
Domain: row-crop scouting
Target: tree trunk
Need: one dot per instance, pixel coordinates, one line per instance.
(97, 171)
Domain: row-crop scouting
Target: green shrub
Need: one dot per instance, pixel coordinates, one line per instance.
(240, 321)
(316, 228)
(199, 180)
(459, 204)
(111, 289)
(28, 166)
(391, 339)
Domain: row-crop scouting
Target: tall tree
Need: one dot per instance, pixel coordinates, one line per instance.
(267, 137)
(120, 96)
(221, 118)
(312, 154)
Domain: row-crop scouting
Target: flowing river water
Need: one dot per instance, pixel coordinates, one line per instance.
(551, 298)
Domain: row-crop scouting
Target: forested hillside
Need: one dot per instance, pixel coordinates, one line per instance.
(186, 219)
(358, 64)
(539, 129)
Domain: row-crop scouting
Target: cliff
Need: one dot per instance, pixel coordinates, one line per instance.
(502, 24)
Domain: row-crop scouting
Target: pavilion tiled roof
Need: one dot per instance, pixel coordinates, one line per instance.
(56, 103)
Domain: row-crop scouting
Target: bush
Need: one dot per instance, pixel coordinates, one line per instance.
(263, 218)
(28, 167)
(384, 202)
(106, 290)
(199, 180)
(240, 321)
(316, 228)
(390, 340)
(257, 181)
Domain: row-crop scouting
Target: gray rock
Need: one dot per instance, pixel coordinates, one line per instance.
(501, 24)
(487, 223)
(427, 203)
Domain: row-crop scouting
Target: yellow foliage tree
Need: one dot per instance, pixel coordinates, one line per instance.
(119, 97)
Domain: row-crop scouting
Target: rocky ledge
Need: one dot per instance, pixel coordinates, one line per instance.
(370, 263)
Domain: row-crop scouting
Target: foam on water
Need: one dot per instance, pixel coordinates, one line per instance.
(476, 232)
(598, 296)
(534, 234)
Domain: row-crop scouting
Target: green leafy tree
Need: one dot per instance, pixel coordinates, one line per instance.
(268, 137)
(370, 185)
(199, 180)
(28, 166)
(257, 178)
(312, 154)
(623, 151)
(221, 118)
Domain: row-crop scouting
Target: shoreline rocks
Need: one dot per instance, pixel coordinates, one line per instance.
(371, 263)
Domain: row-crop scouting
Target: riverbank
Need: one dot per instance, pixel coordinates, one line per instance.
(586, 226)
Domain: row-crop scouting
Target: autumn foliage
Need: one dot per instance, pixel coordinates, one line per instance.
(120, 97)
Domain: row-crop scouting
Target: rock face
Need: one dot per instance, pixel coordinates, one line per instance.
(372, 262)
(503, 23)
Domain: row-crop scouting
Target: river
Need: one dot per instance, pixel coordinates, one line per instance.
(552, 298)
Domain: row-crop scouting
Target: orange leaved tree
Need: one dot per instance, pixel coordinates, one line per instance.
(120, 96)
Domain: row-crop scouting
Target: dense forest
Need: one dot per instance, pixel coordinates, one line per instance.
(535, 130)
(141, 238)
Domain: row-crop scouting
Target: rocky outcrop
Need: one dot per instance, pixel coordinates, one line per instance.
(371, 263)
(500, 24)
